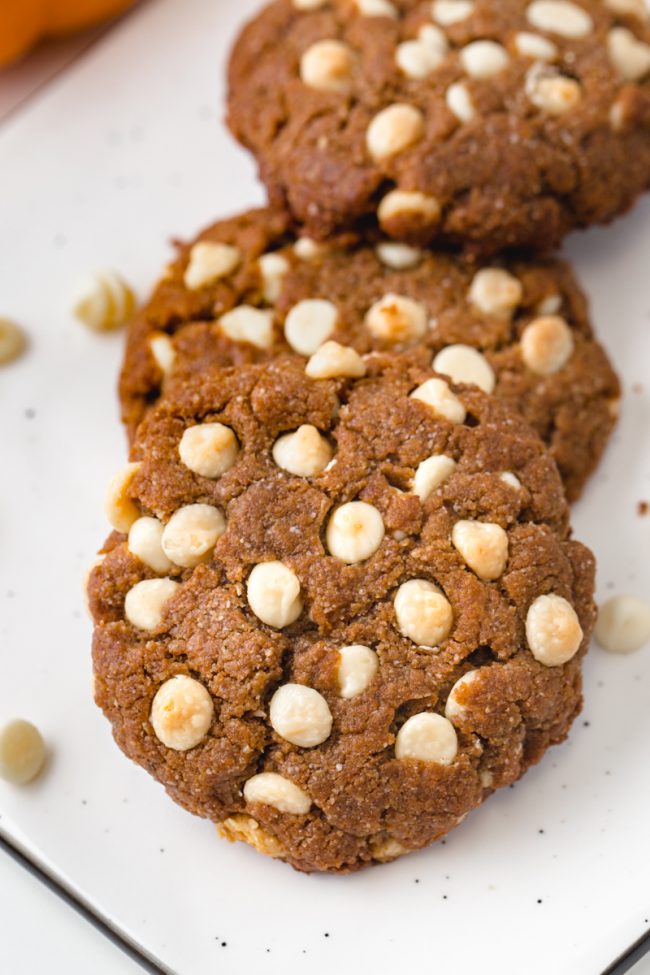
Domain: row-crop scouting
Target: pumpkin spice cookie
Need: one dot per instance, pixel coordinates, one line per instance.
(341, 605)
(247, 291)
(491, 125)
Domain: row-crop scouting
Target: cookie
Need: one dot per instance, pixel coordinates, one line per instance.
(519, 329)
(346, 609)
(491, 125)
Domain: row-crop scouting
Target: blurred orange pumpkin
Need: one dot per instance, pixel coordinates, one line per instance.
(24, 22)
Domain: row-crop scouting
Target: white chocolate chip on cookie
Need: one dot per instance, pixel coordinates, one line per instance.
(550, 91)
(334, 361)
(535, 46)
(273, 591)
(248, 324)
(409, 203)
(419, 57)
(354, 532)
(454, 710)
(511, 480)
(22, 752)
(465, 364)
(181, 713)
(447, 12)
(209, 262)
(437, 395)
(300, 715)
(393, 130)
(121, 509)
(145, 602)
(546, 345)
(560, 17)
(145, 542)
(191, 534)
(553, 630)
(103, 301)
(494, 291)
(305, 453)
(431, 473)
(395, 318)
(13, 340)
(427, 737)
(483, 59)
(307, 249)
(273, 269)
(208, 449)
(376, 8)
(357, 668)
(459, 102)
(327, 66)
(398, 257)
(483, 546)
(629, 55)
(424, 614)
(162, 349)
(623, 624)
(629, 8)
(272, 789)
(310, 323)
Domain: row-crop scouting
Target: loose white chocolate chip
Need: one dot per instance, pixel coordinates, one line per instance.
(550, 305)
(629, 55)
(550, 91)
(358, 666)
(553, 630)
(534, 46)
(464, 364)
(408, 203)
(395, 318)
(623, 624)
(431, 473)
(560, 17)
(13, 340)
(145, 542)
(546, 345)
(427, 737)
(273, 268)
(354, 532)
(393, 130)
(191, 534)
(454, 710)
(309, 324)
(439, 397)
(145, 602)
(310, 250)
(424, 614)
(447, 12)
(495, 292)
(459, 102)
(272, 789)
(511, 480)
(376, 8)
(162, 349)
(248, 324)
(103, 301)
(22, 752)
(628, 8)
(121, 510)
(273, 591)
(334, 361)
(327, 66)
(210, 261)
(304, 453)
(483, 59)
(208, 449)
(300, 715)
(181, 713)
(398, 257)
(418, 58)
(483, 546)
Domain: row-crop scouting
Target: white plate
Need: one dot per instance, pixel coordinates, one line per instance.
(120, 153)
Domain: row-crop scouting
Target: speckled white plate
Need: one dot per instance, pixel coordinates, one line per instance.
(123, 151)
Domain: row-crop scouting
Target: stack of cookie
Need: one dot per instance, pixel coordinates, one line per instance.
(341, 604)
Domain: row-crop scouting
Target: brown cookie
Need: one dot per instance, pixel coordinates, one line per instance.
(525, 323)
(347, 609)
(490, 125)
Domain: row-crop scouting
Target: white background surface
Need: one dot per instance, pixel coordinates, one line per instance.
(114, 157)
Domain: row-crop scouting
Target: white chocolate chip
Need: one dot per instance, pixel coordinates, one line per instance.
(408, 203)
(103, 301)
(483, 59)
(327, 66)
(13, 340)
(385, 850)
(121, 510)
(553, 630)
(376, 8)
(623, 624)
(145, 542)
(464, 364)
(334, 361)
(145, 602)
(22, 752)
(628, 8)
(459, 102)
(438, 396)
(419, 57)
(454, 710)
(393, 130)
(495, 292)
(309, 324)
(560, 17)
(208, 449)
(272, 789)
(304, 453)
(181, 713)
(447, 12)
(162, 349)
(307, 249)
(431, 473)
(398, 257)
(191, 534)
(546, 345)
(273, 591)
(511, 480)
(309, 4)
(241, 827)
(354, 532)
(427, 737)
(529, 45)
(300, 715)
(358, 666)
(483, 546)
(395, 318)
(424, 614)
(550, 305)
(248, 324)
(273, 268)
(629, 55)
(210, 261)
(550, 91)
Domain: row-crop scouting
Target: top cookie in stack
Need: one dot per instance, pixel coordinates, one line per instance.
(489, 125)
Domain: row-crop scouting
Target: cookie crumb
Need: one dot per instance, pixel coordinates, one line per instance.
(642, 508)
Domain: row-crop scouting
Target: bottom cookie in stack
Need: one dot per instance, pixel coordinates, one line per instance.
(342, 605)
